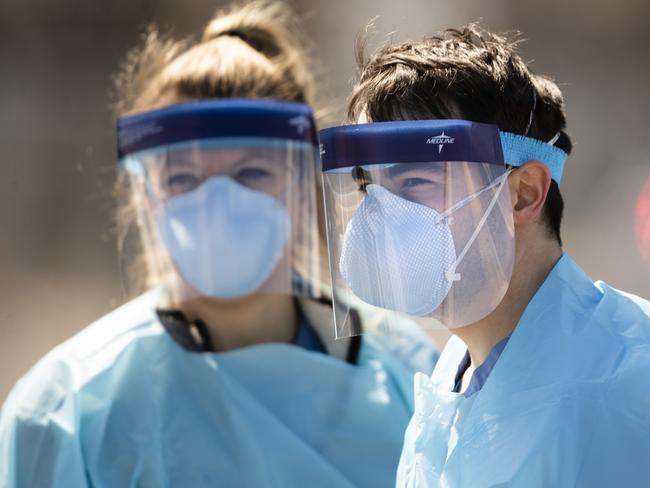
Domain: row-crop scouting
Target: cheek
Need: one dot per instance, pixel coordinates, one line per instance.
(462, 228)
(513, 192)
(434, 198)
(278, 188)
(272, 188)
(155, 182)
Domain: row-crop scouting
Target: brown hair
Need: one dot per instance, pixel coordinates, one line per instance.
(249, 50)
(465, 73)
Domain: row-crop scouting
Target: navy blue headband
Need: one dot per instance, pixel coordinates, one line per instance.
(433, 140)
(207, 119)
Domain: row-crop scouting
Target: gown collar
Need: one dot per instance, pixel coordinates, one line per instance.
(538, 327)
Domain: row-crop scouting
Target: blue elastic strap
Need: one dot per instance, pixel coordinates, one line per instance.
(517, 150)
(416, 141)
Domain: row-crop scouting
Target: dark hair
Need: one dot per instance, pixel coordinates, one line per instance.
(466, 73)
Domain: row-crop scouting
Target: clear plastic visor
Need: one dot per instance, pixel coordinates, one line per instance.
(227, 218)
(433, 241)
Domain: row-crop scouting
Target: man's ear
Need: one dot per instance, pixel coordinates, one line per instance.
(529, 185)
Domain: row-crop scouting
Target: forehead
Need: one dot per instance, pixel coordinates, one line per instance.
(224, 154)
(221, 156)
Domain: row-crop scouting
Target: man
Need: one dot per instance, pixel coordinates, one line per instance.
(546, 384)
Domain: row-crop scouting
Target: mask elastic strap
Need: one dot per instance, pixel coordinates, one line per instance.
(532, 112)
(501, 181)
(554, 139)
(444, 215)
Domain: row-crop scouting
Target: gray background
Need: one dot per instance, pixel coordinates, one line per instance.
(58, 263)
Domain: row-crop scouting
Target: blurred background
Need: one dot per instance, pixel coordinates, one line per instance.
(59, 268)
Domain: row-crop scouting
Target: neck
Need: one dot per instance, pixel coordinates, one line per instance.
(532, 265)
(244, 322)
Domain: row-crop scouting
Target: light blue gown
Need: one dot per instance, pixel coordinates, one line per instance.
(123, 405)
(566, 405)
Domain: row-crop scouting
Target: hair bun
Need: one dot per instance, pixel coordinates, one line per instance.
(260, 24)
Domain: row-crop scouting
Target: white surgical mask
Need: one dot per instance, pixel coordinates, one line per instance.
(401, 255)
(224, 238)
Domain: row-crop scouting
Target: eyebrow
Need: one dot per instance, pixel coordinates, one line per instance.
(399, 169)
(180, 159)
(256, 153)
(185, 159)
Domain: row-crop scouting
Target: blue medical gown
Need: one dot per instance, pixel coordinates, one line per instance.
(123, 405)
(566, 405)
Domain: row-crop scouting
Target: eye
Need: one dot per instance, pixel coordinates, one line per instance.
(420, 189)
(413, 182)
(181, 182)
(419, 184)
(251, 175)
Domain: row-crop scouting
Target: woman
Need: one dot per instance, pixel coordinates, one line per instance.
(225, 373)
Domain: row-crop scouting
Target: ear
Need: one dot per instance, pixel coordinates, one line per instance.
(529, 185)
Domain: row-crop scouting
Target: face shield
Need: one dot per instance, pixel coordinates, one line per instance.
(419, 217)
(226, 196)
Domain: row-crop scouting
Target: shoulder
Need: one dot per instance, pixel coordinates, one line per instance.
(395, 341)
(402, 340)
(39, 421)
(614, 344)
(72, 364)
(622, 318)
(627, 307)
(110, 333)
(626, 318)
(612, 360)
(604, 330)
